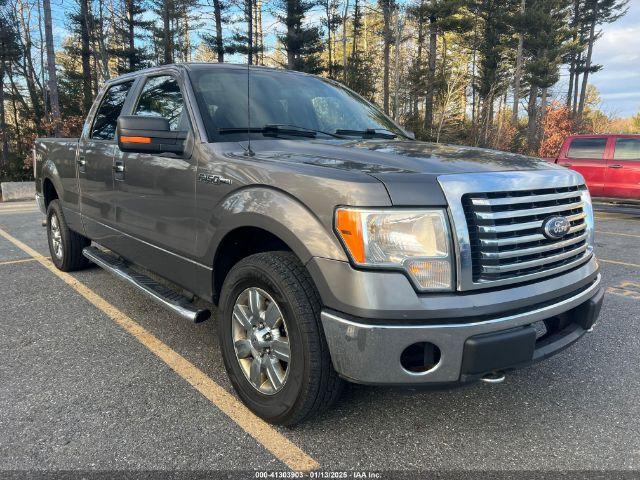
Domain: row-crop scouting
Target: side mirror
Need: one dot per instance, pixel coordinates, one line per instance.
(410, 134)
(148, 135)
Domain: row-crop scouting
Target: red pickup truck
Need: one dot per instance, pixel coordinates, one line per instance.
(610, 164)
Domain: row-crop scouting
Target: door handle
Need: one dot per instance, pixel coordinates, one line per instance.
(565, 164)
(615, 166)
(81, 161)
(118, 167)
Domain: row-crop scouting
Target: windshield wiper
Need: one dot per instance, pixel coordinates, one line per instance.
(368, 133)
(275, 129)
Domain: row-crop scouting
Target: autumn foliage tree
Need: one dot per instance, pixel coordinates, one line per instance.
(557, 124)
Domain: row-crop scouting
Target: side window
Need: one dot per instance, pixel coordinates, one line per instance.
(104, 123)
(627, 149)
(161, 97)
(587, 148)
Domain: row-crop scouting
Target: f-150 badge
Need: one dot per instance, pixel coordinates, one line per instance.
(213, 179)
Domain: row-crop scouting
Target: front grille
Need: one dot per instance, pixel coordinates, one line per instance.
(505, 232)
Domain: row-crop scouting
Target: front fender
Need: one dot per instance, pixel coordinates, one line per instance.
(280, 214)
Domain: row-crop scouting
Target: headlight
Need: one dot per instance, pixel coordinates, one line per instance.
(416, 241)
(588, 210)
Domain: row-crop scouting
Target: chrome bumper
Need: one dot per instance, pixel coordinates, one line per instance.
(370, 354)
(40, 203)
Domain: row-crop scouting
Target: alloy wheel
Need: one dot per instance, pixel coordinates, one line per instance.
(260, 340)
(56, 236)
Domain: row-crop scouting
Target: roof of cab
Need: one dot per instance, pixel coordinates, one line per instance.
(199, 66)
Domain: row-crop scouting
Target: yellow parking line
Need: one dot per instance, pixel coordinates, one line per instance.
(18, 210)
(268, 436)
(17, 204)
(22, 260)
(615, 262)
(618, 233)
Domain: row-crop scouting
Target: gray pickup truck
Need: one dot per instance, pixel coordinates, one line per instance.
(334, 245)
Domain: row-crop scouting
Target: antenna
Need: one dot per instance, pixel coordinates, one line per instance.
(248, 152)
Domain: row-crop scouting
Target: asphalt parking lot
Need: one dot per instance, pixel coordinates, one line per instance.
(95, 376)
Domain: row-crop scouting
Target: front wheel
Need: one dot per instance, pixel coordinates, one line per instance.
(272, 343)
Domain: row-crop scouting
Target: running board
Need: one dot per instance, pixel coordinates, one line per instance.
(165, 296)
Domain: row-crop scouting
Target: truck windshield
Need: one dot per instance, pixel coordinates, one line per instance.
(301, 106)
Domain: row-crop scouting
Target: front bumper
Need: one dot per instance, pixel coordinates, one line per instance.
(371, 353)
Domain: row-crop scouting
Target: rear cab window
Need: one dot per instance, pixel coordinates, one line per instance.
(106, 118)
(588, 148)
(627, 149)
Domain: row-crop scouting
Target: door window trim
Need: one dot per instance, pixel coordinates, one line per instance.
(102, 96)
(140, 89)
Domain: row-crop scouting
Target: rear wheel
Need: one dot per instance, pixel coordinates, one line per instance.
(65, 245)
(272, 343)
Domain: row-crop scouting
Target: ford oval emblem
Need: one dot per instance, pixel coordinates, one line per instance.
(556, 227)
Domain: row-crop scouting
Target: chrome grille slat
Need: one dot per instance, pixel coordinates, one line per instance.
(525, 238)
(511, 200)
(533, 250)
(506, 236)
(522, 226)
(510, 267)
(528, 212)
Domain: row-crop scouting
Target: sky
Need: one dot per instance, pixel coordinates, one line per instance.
(618, 50)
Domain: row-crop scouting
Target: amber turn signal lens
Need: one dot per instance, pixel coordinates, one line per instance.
(135, 139)
(349, 226)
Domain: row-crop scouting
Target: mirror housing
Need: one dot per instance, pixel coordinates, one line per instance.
(139, 134)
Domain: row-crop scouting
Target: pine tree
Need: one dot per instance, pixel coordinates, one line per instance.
(302, 43)
(546, 42)
(331, 22)
(132, 27)
(443, 16)
(359, 65)
(216, 41)
(597, 12)
(9, 52)
(496, 40)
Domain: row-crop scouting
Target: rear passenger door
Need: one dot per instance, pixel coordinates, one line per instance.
(622, 178)
(96, 149)
(156, 199)
(586, 156)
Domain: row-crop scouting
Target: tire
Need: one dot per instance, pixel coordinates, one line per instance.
(310, 383)
(65, 245)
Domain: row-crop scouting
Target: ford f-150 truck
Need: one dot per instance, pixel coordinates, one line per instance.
(334, 246)
(610, 164)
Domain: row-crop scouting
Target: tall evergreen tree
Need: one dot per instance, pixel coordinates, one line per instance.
(546, 42)
(9, 52)
(597, 12)
(132, 27)
(302, 43)
(494, 45)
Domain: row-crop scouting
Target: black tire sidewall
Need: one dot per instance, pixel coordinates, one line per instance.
(54, 209)
(278, 407)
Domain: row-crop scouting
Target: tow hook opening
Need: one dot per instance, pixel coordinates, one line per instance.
(420, 357)
(493, 377)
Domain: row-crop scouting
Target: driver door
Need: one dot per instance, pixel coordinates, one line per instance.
(156, 192)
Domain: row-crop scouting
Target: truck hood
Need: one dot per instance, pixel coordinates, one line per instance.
(408, 169)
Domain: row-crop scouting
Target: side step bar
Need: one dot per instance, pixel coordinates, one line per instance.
(163, 295)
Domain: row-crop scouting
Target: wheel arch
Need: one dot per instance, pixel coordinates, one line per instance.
(51, 183)
(263, 219)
